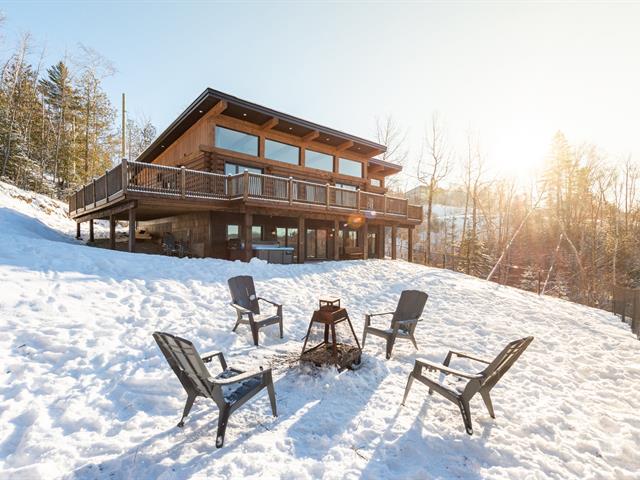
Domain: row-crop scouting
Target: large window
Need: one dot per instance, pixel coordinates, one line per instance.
(236, 141)
(233, 231)
(375, 182)
(256, 233)
(281, 152)
(233, 168)
(350, 167)
(318, 160)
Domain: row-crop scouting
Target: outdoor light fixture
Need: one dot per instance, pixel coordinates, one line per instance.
(244, 114)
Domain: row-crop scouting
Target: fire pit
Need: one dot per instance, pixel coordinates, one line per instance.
(330, 338)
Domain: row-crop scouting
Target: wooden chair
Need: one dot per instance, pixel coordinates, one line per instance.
(229, 390)
(169, 245)
(481, 382)
(247, 306)
(403, 322)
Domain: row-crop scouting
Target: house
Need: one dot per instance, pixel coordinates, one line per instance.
(235, 180)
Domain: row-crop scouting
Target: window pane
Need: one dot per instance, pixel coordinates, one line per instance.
(281, 152)
(236, 141)
(256, 233)
(318, 160)
(233, 168)
(375, 182)
(350, 167)
(346, 186)
(233, 231)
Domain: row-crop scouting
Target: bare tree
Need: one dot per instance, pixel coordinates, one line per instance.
(434, 169)
(390, 134)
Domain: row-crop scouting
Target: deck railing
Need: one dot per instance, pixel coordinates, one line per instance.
(181, 182)
(626, 303)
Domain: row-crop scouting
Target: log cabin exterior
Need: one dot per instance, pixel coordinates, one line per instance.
(229, 177)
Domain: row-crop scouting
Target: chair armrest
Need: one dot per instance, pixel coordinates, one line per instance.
(207, 357)
(408, 321)
(239, 378)
(378, 314)
(241, 309)
(464, 355)
(269, 301)
(446, 370)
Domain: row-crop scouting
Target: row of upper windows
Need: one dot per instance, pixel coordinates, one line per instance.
(248, 144)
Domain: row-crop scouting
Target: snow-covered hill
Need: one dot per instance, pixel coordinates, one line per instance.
(85, 392)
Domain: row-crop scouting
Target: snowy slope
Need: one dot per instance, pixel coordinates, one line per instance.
(85, 392)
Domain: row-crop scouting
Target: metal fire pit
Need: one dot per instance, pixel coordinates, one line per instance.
(330, 339)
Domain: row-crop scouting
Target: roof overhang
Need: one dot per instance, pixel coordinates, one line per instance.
(263, 117)
(381, 167)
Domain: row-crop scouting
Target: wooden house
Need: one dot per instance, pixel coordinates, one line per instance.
(232, 179)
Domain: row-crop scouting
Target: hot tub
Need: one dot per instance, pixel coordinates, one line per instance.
(273, 253)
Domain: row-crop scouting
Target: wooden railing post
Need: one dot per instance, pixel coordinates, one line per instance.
(93, 186)
(327, 199)
(386, 207)
(406, 208)
(358, 199)
(106, 186)
(245, 186)
(183, 181)
(125, 175)
(290, 187)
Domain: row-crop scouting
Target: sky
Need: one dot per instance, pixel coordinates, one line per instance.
(512, 73)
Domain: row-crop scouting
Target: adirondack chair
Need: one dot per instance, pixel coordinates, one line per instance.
(229, 390)
(169, 244)
(247, 306)
(403, 321)
(481, 382)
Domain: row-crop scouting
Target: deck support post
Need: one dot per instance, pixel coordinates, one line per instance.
(410, 244)
(132, 230)
(78, 236)
(246, 231)
(302, 234)
(91, 236)
(336, 239)
(380, 242)
(112, 232)
(394, 233)
(365, 240)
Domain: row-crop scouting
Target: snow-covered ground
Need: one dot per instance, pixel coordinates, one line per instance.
(85, 392)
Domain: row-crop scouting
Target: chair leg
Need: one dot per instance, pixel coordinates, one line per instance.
(187, 408)
(466, 415)
(272, 398)
(390, 343)
(254, 333)
(487, 401)
(234, 328)
(413, 340)
(407, 388)
(281, 328)
(222, 426)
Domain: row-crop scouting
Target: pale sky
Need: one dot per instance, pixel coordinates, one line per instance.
(513, 72)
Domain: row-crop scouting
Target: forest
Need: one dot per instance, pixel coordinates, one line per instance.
(571, 231)
(58, 128)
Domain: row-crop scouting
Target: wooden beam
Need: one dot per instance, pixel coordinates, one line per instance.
(78, 236)
(302, 235)
(91, 236)
(112, 232)
(218, 108)
(336, 239)
(269, 124)
(410, 246)
(365, 240)
(344, 146)
(394, 233)
(311, 136)
(107, 212)
(132, 230)
(246, 232)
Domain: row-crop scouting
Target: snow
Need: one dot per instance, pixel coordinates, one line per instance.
(85, 392)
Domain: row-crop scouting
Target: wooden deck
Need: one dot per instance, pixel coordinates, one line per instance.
(163, 188)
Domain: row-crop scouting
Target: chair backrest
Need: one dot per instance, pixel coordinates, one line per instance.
(186, 363)
(243, 293)
(411, 305)
(503, 362)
